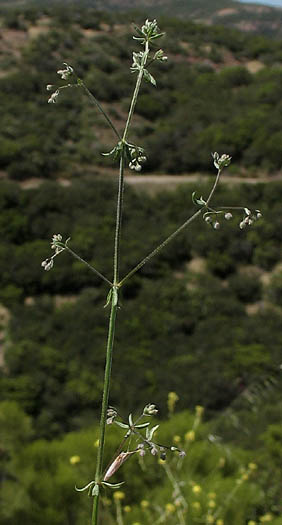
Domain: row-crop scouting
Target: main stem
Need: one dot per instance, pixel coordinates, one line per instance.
(114, 298)
(110, 343)
(106, 390)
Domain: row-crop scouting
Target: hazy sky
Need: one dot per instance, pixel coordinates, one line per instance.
(275, 3)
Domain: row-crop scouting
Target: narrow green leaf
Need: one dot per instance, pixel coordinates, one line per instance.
(122, 425)
(113, 485)
(143, 425)
(115, 296)
(149, 77)
(109, 298)
(95, 490)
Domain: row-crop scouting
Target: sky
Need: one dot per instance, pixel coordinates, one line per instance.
(275, 3)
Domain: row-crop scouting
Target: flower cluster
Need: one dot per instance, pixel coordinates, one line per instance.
(146, 440)
(111, 415)
(249, 218)
(149, 31)
(64, 74)
(221, 162)
(137, 157)
(159, 55)
(59, 247)
(210, 217)
(150, 410)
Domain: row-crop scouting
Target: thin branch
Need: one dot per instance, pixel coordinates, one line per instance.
(172, 236)
(88, 265)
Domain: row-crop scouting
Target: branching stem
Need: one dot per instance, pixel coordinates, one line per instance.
(88, 265)
(172, 236)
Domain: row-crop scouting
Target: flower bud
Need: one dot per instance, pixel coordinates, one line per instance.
(216, 225)
(150, 410)
(228, 216)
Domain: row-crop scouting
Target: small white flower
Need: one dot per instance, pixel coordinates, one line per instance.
(228, 216)
(53, 98)
(48, 264)
(221, 162)
(49, 87)
(216, 225)
(65, 73)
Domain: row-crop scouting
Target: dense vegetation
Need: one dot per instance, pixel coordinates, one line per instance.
(249, 18)
(207, 78)
(217, 325)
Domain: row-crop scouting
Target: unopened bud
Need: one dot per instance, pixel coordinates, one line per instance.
(228, 216)
(150, 410)
(216, 225)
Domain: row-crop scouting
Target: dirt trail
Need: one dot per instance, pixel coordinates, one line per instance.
(155, 183)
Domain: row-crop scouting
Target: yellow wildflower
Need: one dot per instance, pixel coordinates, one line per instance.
(196, 489)
(221, 462)
(251, 522)
(199, 410)
(170, 508)
(171, 401)
(266, 518)
(190, 436)
(96, 443)
(252, 466)
(119, 495)
(196, 505)
(219, 522)
(210, 519)
(74, 460)
(127, 508)
(176, 439)
(144, 504)
(211, 495)
(211, 503)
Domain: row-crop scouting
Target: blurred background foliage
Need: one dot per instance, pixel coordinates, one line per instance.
(202, 320)
(228, 83)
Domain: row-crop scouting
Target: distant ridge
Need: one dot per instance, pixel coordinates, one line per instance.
(247, 17)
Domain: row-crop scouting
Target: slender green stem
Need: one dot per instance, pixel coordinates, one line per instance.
(98, 105)
(171, 237)
(105, 400)
(89, 266)
(110, 343)
(159, 248)
(114, 298)
(118, 218)
(136, 91)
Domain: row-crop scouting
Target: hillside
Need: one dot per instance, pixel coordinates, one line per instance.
(225, 81)
(250, 18)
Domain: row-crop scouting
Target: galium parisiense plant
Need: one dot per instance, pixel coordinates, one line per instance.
(138, 434)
